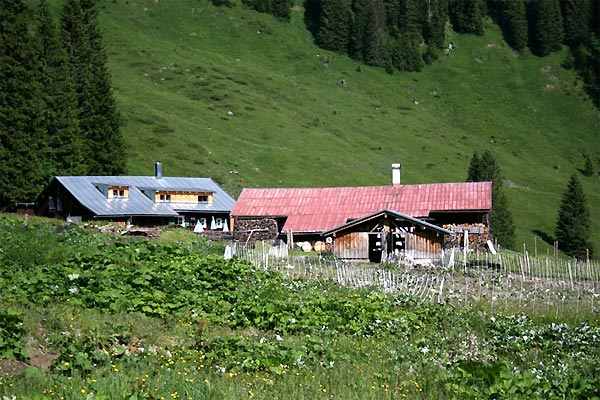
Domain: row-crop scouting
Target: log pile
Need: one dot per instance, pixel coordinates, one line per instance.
(478, 237)
(251, 231)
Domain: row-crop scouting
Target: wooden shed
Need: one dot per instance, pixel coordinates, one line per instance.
(387, 235)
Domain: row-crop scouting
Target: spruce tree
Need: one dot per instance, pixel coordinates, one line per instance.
(98, 116)
(334, 25)
(281, 9)
(65, 152)
(466, 16)
(573, 225)
(409, 51)
(435, 17)
(512, 19)
(358, 28)
(312, 15)
(546, 31)
(23, 169)
(588, 167)
(484, 168)
(376, 43)
(474, 171)
(576, 19)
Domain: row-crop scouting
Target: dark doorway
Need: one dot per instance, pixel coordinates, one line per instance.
(376, 246)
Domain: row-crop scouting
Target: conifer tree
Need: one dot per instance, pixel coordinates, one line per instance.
(358, 28)
(474, 172)
(484, 168)
(512, 19)
(23, 169)
(409, 52)
(576, 19)
(435, 14)
(573, 225)
(98, 116)
(588, 166)
(466, 16)
(312, 15)
(65, 152)
(546, 31)
(280, 9)
(334, 25)
(375, 45)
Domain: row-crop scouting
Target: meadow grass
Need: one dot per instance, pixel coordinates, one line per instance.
(241, 332)
(178, 69)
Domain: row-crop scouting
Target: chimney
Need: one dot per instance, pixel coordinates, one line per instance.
(158, 170)
(396, 174)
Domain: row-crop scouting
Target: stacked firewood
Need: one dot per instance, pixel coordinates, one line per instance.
(478, 237)
(252, 230)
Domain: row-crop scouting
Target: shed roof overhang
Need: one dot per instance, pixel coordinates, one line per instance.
(387, 213)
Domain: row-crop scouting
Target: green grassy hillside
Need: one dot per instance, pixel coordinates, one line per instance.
(179, 68)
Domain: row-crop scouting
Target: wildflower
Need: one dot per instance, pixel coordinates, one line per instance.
(73, 290)
(425, 350)
(72, 277)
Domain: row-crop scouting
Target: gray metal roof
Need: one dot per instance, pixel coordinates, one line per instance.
(84, 189)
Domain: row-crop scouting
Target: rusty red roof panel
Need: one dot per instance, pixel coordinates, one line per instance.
(318, 209)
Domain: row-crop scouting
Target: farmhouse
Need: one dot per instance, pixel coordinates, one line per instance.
(139, 200)
(366, 223)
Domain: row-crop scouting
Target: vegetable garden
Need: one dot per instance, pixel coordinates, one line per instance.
(91, 315)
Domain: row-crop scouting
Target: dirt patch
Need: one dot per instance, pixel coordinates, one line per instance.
(12, 367)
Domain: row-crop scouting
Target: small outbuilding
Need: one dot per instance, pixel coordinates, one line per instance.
(387, 235)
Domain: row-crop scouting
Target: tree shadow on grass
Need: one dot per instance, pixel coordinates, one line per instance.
(544, 236)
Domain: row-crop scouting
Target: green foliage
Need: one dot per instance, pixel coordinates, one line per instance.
(545, 26)
(573, 224)
(278, 8)
(576, 18)
(486, 169)
(65, 146)
(213, 328)
(512, 19)
(334, 25)
(99, 119)
(466, 16)
(588, 166)
(12, 335)
(23, 169)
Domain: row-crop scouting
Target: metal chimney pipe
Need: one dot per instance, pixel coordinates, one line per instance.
(158, 170)
(396, 174)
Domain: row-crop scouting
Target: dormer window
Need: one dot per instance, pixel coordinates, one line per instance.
(183, 196)
(118, 192)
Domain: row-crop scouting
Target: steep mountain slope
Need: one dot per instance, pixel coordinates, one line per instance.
(251, 101)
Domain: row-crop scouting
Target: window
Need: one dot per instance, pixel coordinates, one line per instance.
(165, 197)
(118, 192)
(202, 199)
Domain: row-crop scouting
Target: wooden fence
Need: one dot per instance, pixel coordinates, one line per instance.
(511, 281)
